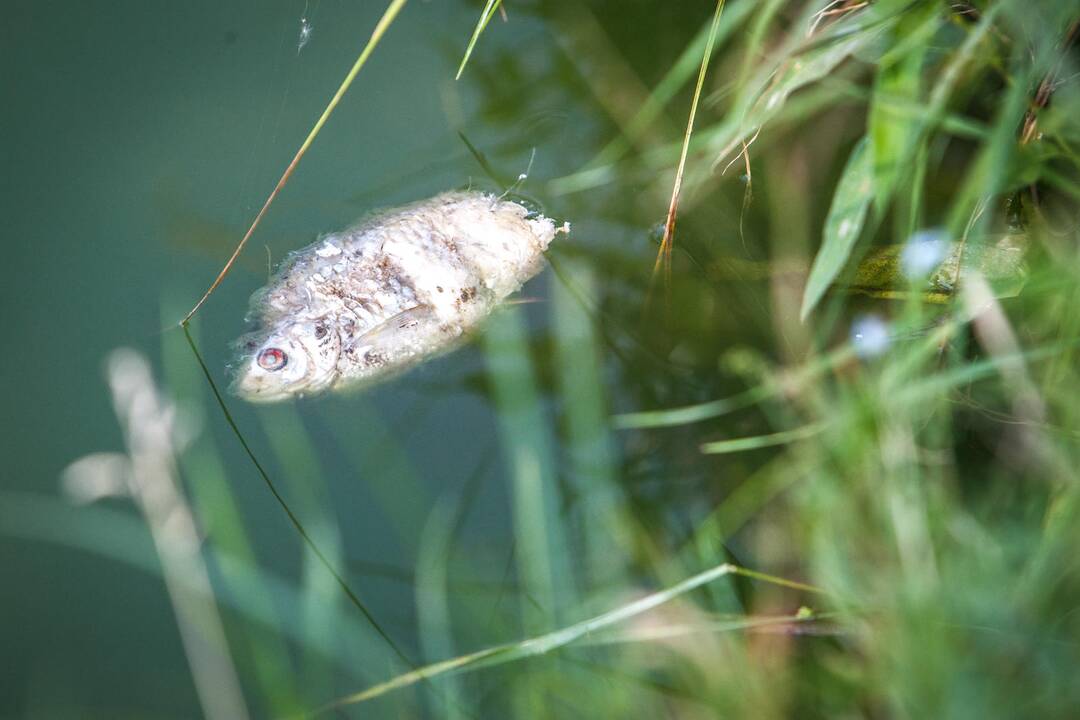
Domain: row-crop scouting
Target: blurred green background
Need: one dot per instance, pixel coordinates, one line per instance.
(908, 450)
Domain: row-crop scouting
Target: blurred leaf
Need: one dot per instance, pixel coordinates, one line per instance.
(843, 225)
(892, 131)
(801, 66)
(96, 476)
(540, 538)
(756, 442)
(601, 511)
(259, 595)
(795, 380)
(561, 637)
(672, 82)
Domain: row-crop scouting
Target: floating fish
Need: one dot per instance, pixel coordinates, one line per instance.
(397, 288)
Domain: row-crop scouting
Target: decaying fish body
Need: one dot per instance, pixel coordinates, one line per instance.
(387, 293)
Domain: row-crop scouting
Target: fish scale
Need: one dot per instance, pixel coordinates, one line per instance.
(392, 290)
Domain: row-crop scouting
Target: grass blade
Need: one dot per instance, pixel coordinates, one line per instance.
(797, 66)
(353, 598)
(434, 619)
(540, 547)
(304, 478)
(791, 381)
(548, 642)
(892, 131)
(761, 441)
(846, 216)
(654, 104)
(527, 444)
(601, 510)
(380, 29)
(259, 596)
(485, 18)
(229, 545)
(146, 419)
(663, 256)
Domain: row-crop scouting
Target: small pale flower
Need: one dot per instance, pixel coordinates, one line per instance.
(869, 336)
(922, 253)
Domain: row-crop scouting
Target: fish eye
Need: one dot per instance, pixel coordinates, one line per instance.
(272, 359)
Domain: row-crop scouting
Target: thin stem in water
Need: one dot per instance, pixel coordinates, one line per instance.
(380, 29)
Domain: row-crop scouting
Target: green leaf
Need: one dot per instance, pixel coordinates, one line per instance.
(843, 225)
(891, 129)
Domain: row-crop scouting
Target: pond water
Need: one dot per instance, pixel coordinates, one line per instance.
(142, 138)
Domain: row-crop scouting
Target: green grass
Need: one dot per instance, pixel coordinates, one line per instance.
(731, 508)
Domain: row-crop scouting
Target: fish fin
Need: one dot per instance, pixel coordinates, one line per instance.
(405, 323)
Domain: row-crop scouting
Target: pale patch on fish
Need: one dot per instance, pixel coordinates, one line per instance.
(397, 288)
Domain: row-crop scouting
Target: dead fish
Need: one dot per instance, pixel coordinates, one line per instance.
(395, 289)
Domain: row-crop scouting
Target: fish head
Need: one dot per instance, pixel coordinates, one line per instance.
(290, 360)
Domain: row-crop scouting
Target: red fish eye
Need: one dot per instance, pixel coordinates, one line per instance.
(272, 359)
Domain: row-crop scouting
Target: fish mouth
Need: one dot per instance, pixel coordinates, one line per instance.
(254, 385)
(245, 387)
(245, 384)
(249, 386)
